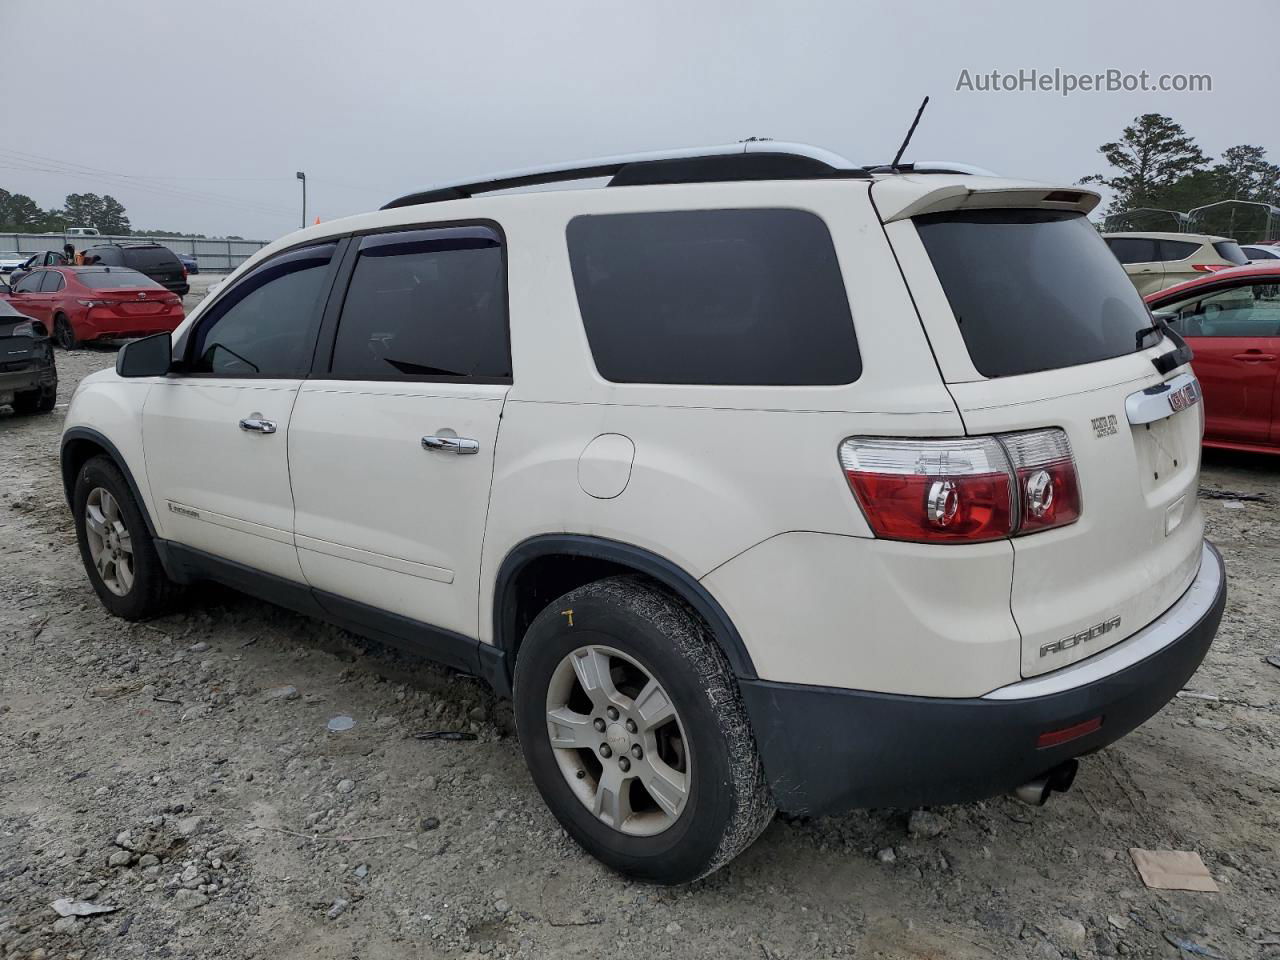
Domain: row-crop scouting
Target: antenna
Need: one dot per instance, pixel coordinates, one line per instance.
(903, 149)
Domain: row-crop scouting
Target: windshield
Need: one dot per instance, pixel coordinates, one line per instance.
(1032, 289)
(115, 278)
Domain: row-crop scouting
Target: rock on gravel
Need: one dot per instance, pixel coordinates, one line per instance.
(926, 824)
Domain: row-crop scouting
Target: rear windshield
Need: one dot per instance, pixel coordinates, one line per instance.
(1230, 251)
(1032, 289)
(151, 258)
(716, 297)
(114, 278)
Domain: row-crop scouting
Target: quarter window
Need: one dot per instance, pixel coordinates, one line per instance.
(265, 325)
(714, 297)
(426, 303)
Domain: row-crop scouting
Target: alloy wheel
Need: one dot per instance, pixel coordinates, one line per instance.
(618, 740)
(110, 544)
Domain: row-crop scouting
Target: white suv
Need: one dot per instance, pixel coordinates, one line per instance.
(760, 479)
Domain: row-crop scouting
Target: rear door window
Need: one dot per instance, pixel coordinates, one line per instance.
(426, 304)
(714, 297)
(52, 282)
(1032, 289)
(152, 260)
(1177, 249)
(1133, 249)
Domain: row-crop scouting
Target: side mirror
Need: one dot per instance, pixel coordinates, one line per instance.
(149, 357)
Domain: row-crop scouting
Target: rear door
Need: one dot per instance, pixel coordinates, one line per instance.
(391, 446)
(1035, 326)
(1235, 333)
(215, 434)
(1141, 261)
(1180, 259)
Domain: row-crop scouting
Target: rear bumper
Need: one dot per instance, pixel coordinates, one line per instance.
(33, 378)
(97, 325)
(826, 750)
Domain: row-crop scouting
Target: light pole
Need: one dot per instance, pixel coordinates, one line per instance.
(303, 177)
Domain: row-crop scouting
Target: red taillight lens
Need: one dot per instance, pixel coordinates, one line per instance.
(932, 491)
(1048, 488)
(1210, 267)
(963, 491)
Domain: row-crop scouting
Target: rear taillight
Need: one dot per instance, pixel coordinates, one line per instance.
(1048, 488)
(963, 491)
(1210, 267)
(95, 303)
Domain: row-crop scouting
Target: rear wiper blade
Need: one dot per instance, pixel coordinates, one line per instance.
(1174, 358)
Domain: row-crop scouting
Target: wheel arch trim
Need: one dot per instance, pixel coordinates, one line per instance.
(669, 574)
(98, 439)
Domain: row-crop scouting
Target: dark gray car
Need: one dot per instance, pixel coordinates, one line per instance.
(28, 377)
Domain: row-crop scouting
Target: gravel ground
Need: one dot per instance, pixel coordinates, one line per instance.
(183, 773)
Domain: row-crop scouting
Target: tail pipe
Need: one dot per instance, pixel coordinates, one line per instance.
(1057, 780)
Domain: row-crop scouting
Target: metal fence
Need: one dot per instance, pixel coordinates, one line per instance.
(214, 256)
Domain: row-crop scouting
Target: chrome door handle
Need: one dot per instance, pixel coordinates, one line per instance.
(458, 445)
(256, 424)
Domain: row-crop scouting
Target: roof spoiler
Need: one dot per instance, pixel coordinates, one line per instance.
(900, 198)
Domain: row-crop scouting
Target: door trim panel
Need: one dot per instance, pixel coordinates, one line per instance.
(263, 530)
(425, 571)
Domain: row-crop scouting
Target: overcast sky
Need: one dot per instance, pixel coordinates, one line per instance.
(208, 108)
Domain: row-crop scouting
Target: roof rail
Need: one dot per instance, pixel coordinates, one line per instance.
(932, 166)
(752, 159)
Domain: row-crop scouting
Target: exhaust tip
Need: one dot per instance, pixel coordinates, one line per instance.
(1036, 792)
(1033, 794)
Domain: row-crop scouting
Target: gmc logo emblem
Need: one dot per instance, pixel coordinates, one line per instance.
(1084, 636)
(1185, 397)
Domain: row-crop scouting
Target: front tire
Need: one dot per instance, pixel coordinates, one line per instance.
(635, 732)
(119, 553)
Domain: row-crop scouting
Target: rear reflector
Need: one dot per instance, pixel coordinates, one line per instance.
(966, 490)
(1055, 738)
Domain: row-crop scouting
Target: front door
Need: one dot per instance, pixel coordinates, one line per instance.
(1235, 333)
(216, 432)
(29, 298)
(392, 440)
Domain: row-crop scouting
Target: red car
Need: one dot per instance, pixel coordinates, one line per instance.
(1231, 319)
(93, 303)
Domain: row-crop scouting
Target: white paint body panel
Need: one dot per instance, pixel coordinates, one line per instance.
(236, 481)
(381, 520)
(738, 486)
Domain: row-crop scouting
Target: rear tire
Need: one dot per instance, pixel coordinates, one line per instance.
(36, 401)
(64, 333)
(119, 553)
(709, 800)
